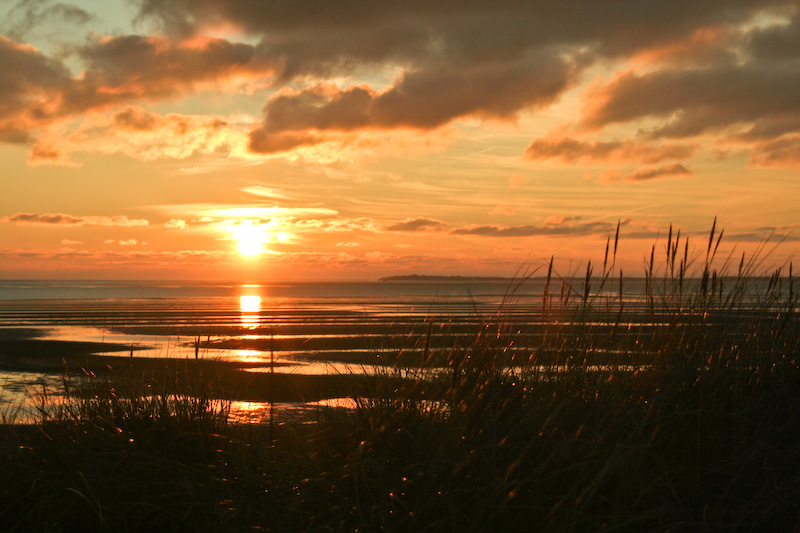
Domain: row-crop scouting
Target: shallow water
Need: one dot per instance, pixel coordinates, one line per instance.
(228, 321)
(308, 328)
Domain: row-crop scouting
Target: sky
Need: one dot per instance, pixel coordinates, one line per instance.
(315, 140)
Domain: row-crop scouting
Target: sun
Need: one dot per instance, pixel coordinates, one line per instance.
(251, 239)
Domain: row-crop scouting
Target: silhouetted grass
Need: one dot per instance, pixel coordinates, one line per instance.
(669, 409)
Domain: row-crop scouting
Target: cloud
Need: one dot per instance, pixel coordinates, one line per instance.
(357, 32)
(140, 134)
(568, 150)
(412, 225)
(49, 151)
(136, 119)
(552, 229)
(781, 41)
(559, 226)
(133, 67)
(175, 223)
(61, 219)
(782, 152)
(37, 91)
(418, 100)
(340, 225)
(127, 242)
(264, 192)
(708, 66)
(645, 174)
(454, 61)
(27, 16)
(70, 242)
(106, 255)
(559, 220)
(697, 101)
(30, 87)
(745, 96)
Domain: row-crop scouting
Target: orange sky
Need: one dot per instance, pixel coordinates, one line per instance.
(256, 140)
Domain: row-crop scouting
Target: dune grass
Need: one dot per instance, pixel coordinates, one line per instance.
(669, 409)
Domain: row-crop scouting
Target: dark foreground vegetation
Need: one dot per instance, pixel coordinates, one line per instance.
(686, 420)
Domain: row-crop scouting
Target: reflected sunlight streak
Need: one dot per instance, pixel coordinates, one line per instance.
(250, 356)
(250, 306)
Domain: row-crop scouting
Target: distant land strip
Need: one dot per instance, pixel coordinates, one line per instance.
(420, 277)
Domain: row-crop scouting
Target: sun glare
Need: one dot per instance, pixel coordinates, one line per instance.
(251, 239)
(250, 304)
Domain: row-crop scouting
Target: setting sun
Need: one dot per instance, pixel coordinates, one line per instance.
(251, 239)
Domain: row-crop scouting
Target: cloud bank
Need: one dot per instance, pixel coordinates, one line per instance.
(722, 67)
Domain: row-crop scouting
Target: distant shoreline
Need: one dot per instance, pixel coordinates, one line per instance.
(420, 277)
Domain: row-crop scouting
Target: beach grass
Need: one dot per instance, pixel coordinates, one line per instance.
(672, 409)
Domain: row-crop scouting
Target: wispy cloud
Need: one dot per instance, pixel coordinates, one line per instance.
(644, 174)
(140, 134)
(568, 150)
(553, 226)
(417, 224)
(61, 219)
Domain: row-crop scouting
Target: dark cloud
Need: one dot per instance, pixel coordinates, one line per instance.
(36, 91)
(61, 219)
(364, 30)
(783, 152)
(771, 128)
(781, 42)
(417, 224)
(54, 218)
(757, 92)
(29, 83)
(477, 59)
(696, 101)
(29, 15)
(585, 228)
(569, 150)
(135, 67)
(453, 60)
(645, 174)
(135, 118)
(420, 100)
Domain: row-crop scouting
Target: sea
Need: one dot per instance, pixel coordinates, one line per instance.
(303, 321)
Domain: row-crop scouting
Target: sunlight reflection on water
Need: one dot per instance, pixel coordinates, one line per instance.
(250, 306)
(243, 412)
